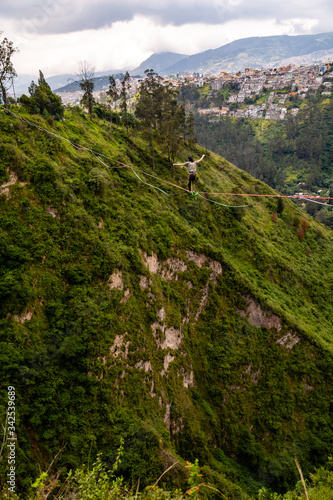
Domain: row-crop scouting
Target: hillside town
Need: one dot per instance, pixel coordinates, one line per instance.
(266, 93)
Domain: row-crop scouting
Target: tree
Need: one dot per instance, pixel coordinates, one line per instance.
(189, 92)
(113, 93)
(124, 94)
(86, 76)
(172, 123)
(7, 71)
(148, 106)
(42, 100)
(162, 118)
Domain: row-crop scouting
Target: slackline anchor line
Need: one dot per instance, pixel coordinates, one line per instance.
(313, 199)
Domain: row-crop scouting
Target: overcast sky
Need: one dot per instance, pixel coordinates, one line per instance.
(55, 35)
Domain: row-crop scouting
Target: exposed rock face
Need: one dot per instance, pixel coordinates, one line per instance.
(289, 340)
(116, 280)
(173, 336)
(151, 262)
(167, 419)
(143, 282)
(188, 379)
(170, 337)
(168, 268)
(161, 314)
(13, 179)
(254, 376)
(116, 348)
(53, 212)
(168, 358)
(172, 266)
(4, 188)
(22, 318)
(144, 365)
(199, 260)
(257, 317)
(127, 295)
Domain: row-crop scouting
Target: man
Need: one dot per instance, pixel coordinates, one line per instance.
(192, 170)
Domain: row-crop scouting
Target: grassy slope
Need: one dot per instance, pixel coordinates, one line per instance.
(254, 402)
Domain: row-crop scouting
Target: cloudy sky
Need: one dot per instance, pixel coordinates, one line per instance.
(55, 35)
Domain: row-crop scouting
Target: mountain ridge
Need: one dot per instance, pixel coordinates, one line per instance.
(159, 62)
(254, 52)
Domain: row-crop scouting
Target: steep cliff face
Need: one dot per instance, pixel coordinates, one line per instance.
(189, 328)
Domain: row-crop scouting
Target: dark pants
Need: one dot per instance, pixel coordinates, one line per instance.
(191, 179)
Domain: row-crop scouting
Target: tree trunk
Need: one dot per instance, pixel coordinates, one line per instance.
(4, 95)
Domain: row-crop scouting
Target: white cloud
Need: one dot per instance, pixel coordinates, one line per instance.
(298, 26)
(169, 25)
(65, 16)
(123, 46)
(237, 29)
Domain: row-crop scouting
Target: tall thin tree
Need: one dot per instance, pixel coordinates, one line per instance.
(148, 106)
(161, 116)
(113, 93)
(7, 71)
(86, 81)
(171, 123)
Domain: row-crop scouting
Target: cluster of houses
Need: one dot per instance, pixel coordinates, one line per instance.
(278, 85)
(74, 98)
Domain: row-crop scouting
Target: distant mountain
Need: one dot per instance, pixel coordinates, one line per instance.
(21, 84)
(159, 62)
(58, 82)
(254, 52)
(23, 81)
(99, 83)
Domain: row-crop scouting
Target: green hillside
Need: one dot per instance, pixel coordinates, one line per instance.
(191, 330)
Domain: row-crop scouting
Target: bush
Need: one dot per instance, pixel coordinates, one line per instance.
(11, 158)
(44, 178)
(98, 180)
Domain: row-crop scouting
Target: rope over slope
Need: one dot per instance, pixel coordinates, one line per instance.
(135, 170)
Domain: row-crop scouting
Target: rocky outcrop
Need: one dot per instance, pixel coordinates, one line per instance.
(257, 317)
